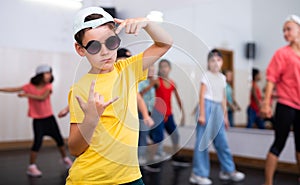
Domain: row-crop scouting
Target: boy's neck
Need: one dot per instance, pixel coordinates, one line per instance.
(98, 71)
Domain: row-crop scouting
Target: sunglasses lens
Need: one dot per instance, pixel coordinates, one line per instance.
(93, 47)
(112, 42)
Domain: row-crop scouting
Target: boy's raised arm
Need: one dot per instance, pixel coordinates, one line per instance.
(162, 40)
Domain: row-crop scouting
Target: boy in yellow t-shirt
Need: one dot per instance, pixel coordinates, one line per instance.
(103, 107)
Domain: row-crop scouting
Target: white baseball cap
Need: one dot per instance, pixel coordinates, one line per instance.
(79, 23)
(293, 18)
(42, 69)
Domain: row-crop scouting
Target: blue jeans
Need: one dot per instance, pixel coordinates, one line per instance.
(253, 117)
(157, 132)
(230, 117)
(212, 132)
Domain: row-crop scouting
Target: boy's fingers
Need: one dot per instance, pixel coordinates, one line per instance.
(111, 101)
(91, 93)
(118, 21)
(121, 25)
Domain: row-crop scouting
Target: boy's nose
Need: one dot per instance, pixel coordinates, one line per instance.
(104, 50)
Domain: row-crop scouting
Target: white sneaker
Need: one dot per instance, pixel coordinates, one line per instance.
(200, 180)
(235, 176)
(33, 171)
(67, 162)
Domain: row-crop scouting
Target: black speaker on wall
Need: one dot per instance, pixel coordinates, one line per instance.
(250, 50)
(111, 11)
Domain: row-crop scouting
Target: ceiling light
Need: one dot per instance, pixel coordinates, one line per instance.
(156, 16)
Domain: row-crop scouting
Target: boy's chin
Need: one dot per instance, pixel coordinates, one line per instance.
(108, 67)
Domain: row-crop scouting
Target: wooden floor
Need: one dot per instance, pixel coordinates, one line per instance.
(13, 166)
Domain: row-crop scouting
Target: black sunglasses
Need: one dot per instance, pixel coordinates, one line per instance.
(93, 47)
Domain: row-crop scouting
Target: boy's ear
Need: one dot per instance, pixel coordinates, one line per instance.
(79, 49)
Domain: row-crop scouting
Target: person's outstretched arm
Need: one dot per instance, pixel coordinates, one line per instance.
(36, 97)
(63, 112)
(151, 85)
(202, 118)
(144, 111)
(162, 40)
(11, 89)
(179, 102)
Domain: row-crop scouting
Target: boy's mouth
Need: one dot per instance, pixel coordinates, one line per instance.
(106, 60)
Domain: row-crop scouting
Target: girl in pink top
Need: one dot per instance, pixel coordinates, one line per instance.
(38, 92)
(284, 73)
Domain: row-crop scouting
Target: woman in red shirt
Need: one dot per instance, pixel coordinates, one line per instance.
(38, 92)
(284, 73)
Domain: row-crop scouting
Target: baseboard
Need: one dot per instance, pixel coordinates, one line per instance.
(17, 145)
(249, 162)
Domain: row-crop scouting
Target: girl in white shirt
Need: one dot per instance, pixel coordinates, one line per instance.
(211, 125)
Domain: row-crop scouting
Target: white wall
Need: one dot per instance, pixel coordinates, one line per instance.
(37, 26)
(268, 20)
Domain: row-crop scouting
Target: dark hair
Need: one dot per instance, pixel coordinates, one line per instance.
(255, 72)
(123, 52)
(162, 61)
(166, 61)
(214, 52)
(39, 79)
(79, 35)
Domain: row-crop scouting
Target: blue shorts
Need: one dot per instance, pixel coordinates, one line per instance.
(157, 133)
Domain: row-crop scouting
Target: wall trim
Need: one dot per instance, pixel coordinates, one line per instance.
(249, 162)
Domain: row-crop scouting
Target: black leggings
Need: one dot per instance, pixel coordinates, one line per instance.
(45, 126)
(285, 117)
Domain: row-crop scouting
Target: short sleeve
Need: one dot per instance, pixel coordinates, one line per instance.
(204, 79)
(275, 67)
(26, 87)
(76, 114)
(135, 65)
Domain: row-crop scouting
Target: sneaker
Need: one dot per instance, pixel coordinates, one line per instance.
(194, 179)
(235, 176)
(67, 162)
(180, 161)
(33, 171)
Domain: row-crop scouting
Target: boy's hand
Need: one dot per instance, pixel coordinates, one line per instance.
(132, 26)
(226, 122)
(182, 120)
(148, 121)
(95, 105)
(201, 120)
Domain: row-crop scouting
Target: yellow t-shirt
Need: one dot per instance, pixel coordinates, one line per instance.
(111, 157)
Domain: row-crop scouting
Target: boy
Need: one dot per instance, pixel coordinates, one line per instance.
(255, 102)
(104, 132)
